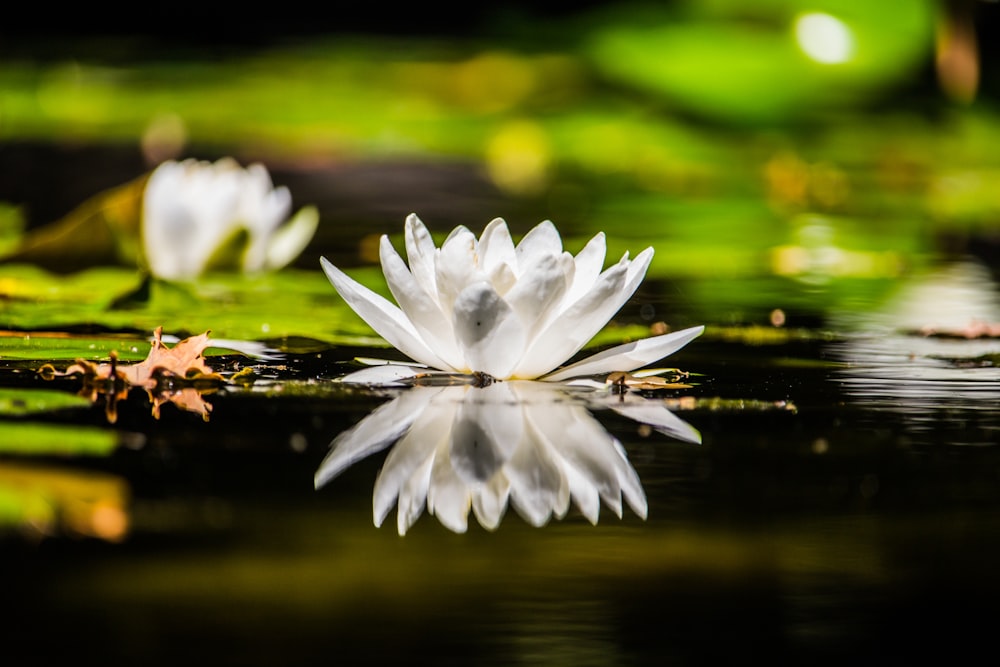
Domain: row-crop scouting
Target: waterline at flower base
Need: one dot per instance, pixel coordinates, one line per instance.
(507, 312)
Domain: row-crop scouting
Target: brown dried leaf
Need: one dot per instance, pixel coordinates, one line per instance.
(182, 360)
(167, 374)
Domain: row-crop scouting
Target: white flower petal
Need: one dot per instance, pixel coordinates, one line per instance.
(455, 266)
(496, 251)
(176, 240)
(543, 240)
(535, 482)
(489, 501)
(577, 325)
(502, 278)
(261, 213)
(487, 331)
(583, 445)
(636, 272)
(486, 429)
(585, 495)
(420, 253)
(412, 498)
(536, 294)
(631, 486)
(256, 181)
(374, 433)
(269, 209)
(629, 356)
(386, 319)
(589, 263)
(448, 498)
(581, 321)
(384, 375)
(655, 414)
(419, 307)
(403, 475)
(291, 239)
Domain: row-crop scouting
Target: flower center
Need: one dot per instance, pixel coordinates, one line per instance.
(482, 379)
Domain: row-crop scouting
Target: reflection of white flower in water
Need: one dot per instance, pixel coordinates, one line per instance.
(512, 312)
(918, 354)
(198, 215)
(532, 444)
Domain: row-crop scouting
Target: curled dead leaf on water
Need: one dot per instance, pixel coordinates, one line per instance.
(177, 375)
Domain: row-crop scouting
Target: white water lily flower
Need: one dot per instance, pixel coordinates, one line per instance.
(511, 312)
(533, 445)
(200, 215)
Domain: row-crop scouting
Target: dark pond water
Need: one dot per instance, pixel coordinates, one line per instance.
(842, 504)
(836, 512)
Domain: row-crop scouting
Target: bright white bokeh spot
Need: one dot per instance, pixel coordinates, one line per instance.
(824, 38)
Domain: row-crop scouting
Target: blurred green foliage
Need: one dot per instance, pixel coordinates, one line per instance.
(45, 439)
(775, 60)
(771, 152)
(16, 402)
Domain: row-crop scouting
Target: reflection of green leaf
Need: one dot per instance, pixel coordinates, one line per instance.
(15, 402)
(33, 438)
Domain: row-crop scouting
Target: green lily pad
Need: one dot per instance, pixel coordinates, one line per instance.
(234, 306)
(55, 346)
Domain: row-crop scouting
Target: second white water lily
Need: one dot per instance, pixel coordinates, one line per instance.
(511, 312)
(198, 216)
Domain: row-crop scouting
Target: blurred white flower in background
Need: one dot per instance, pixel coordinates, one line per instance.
(510, 312)
(199, 216)
(533, 445)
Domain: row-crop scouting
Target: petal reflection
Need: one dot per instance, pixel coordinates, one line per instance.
(533, 446)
